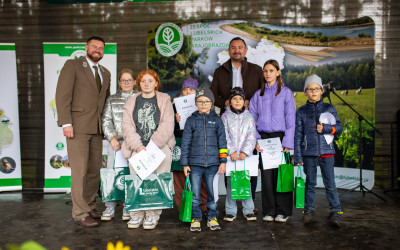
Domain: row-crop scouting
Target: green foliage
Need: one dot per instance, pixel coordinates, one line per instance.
(364, 35)
(348, 75)
(175, 69)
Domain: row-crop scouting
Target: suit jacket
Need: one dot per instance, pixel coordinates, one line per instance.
(77, 98)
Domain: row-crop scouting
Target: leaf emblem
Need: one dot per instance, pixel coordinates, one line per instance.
(168, 35)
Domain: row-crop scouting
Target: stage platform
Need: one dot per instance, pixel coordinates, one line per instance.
(367, 223)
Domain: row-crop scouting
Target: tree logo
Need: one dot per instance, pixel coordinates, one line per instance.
(176, 153)
(169, 39)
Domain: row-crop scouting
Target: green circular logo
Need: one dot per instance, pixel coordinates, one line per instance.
(185, 101)
(169, 39)
(60, 146)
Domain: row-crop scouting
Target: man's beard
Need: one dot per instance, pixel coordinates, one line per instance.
(92, 58)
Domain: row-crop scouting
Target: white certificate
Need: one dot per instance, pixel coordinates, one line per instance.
(146, 161)
(120, 161)
(185, 106)
(249, 163)
(328, 118)
(272, 152)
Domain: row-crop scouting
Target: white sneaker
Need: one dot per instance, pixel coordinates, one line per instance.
(150, 223)
(135, 222)
(281, 218)
(125, 215)
(108, 214)
(268, 218)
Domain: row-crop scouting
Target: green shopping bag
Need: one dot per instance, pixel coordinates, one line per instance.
(300, 189)
(240, 184)
(285, 182)
(154, 192)
(112, 186)
(185, 211)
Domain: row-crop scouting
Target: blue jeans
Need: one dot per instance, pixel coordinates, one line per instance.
(230, 205)
(196, 174)
(328, 177)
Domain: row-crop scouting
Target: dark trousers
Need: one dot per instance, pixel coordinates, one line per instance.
(273, 203)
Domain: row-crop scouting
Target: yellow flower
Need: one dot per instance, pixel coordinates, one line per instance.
(118, 246)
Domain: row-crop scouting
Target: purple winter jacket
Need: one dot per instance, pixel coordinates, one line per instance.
(275, 113)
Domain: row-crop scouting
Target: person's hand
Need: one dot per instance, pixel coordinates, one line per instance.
(226, 103)
(246, 103)
(286, 150)
(234, 156)
(140, 149)
(221, 169)
(115, 144)
(299, 164)
(68, 132)
(186, 170)
(242, 156)
(260, 150)
(178, 117)
(320, 126)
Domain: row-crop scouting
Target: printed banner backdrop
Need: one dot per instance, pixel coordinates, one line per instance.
(57, 170)
(10, 153)
(341, 53)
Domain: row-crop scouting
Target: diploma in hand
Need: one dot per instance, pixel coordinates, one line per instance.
(272, 152)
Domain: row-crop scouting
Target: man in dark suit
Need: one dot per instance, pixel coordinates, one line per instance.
(82, 88)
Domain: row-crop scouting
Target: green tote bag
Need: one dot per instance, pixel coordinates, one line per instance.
(285, 182)
(154, 192)
(240, 184)
(185, 211)
(300, 189)
(112, 185)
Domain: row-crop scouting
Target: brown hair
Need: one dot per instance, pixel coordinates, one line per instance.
(279, 79)
(149, 72)
(126, 70)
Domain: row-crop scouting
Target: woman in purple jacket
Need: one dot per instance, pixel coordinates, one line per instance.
(274, 111)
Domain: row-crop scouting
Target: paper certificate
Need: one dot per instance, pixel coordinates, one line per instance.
(272, 152)
(328, 118)
(185, 106)
(119, 160)
(249, 163)
(146, 161)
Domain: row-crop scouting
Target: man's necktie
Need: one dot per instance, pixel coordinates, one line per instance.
(97, 76)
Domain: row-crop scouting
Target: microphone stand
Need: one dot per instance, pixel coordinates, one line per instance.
(363, 189)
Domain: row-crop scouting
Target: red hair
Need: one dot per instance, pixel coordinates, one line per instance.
(148, 72)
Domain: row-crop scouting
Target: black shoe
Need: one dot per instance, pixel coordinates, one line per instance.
(250, 217)
(229, 217)
(334, 218)
(309, 216)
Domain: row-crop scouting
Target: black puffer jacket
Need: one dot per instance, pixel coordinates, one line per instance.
(202, 140)
(307, 141)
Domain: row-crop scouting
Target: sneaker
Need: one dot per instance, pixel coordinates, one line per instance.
(213, 224)
(250, 217)
(268, 218)
(309, 216)
(229, 217)
(334, 218)
(195, 225)
(135, 222)
(150, 223)
(108, 214)
(281, 218)
(125, 215)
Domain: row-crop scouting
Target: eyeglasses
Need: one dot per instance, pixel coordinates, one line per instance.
(126, 81)
(204, 102)
(313, 90)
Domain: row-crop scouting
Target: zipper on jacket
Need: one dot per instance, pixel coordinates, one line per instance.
(305, 140)
(205, 138)
(317, 122)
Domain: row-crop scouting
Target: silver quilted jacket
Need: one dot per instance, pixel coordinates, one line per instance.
(111, 120)
(240, 130)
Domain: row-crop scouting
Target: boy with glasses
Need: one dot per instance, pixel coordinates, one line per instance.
(204, 152)
(316, 124)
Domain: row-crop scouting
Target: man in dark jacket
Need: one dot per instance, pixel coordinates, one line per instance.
(236, 72)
